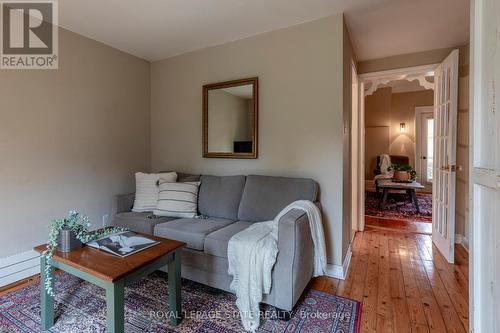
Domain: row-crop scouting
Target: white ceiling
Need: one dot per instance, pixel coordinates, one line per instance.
(158, 29)
(396, 27)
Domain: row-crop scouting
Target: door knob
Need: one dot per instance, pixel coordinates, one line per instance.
(452, 168)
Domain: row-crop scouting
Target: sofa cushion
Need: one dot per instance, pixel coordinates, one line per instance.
(186, 177)
(177, 199)
(190, 231)
(220, 196)
(146, 190)
(138, 222)
(216, 242)
(264, 197)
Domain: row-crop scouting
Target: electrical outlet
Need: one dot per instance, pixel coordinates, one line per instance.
(105, 220)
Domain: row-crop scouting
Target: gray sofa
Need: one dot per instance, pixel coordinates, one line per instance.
(228, 205)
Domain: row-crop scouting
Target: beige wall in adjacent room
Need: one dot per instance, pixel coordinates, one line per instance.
(300, 110)
(403, 111)
(70, 138)
(378, 108)
(377, 125)
(384, 112)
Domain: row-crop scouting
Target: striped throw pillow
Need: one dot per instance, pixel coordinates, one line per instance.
(146, 190)
(177, 199)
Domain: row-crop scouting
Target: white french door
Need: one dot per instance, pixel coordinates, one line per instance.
(485, 167)
(444, 159)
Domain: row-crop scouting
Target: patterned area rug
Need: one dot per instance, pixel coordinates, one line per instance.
(399, 207)
(80, 307)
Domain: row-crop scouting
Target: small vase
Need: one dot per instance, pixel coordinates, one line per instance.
(67, 241)
(402, 175)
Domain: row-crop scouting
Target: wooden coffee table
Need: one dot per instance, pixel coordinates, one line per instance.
(410, 188)
(112, 273)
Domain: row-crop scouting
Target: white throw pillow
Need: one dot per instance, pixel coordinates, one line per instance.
(146, 190)
(177, 199)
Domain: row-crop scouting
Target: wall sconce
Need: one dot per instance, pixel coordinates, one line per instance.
(402, 127)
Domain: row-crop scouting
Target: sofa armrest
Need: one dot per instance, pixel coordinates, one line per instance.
(123, 203)
(294, 265)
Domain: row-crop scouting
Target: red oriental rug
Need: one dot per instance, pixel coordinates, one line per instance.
(399, 207)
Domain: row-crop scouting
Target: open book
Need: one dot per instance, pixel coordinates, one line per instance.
(123, 244)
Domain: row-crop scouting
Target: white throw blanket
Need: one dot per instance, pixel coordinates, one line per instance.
(252, 254)
(385, 163)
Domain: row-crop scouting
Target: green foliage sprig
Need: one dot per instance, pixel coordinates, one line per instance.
(79, 225)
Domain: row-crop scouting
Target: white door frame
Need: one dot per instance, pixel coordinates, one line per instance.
(361, 159)
(358, 153)
(420, 111)
(355, 152)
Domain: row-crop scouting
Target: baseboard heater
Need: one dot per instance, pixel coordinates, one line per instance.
(18, 267)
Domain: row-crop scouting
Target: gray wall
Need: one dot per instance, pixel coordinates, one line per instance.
(70, 138)
(300, 110)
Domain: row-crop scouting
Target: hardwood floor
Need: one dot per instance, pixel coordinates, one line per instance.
(399, 225)
(404, 283)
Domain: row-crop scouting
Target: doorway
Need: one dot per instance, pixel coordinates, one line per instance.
(394, 104)
(410, 118)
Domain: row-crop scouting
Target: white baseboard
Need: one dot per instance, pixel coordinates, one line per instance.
(462, 240)
(19, 266)
(340, 271)
(465, 243)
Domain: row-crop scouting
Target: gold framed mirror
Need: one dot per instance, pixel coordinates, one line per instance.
(230, 119)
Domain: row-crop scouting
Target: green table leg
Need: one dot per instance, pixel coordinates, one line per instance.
(415, 200)
(174, 288)
(115, 319)
(385, 194)
(46, 301)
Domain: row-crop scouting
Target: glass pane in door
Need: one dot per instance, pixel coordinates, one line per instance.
(430, 147)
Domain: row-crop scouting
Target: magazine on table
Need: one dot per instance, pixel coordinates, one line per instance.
(123, 244)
